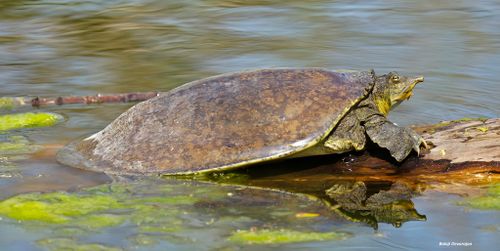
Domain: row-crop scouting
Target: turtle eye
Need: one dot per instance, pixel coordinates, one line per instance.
(395, 78)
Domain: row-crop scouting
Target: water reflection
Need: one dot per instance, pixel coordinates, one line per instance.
(391, 206)
(163, 213)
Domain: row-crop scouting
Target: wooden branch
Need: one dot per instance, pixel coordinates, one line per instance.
(465, 151)
(97, 99)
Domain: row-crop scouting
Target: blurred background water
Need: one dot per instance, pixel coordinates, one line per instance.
(61, 47)
(64, 47)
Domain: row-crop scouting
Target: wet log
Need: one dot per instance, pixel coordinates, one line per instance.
(65, 100)
(465, 151)
(370, 187)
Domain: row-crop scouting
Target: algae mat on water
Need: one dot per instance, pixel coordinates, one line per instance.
(167, 213)
(267, 236)
(28, 120)
(58, 207)
(15, 145)
(489, 201)
(12, 148)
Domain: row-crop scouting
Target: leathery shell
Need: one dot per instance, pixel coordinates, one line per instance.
(223, 122)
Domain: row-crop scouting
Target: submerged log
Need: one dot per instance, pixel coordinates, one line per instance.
(12, 102)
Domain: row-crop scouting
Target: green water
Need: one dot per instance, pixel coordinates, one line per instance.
(62, 47)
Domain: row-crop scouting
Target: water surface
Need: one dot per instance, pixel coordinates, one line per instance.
(62, 47)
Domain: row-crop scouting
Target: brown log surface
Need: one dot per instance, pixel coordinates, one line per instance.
(464, 141)
(465, 151)
(95, 99)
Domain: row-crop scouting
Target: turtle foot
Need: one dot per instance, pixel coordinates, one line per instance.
(406, 141)
(419, 142)
(400, 141)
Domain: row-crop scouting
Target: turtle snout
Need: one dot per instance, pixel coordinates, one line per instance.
(419, 79)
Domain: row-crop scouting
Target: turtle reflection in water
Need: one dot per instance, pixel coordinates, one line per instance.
(234, 120)
(389, 206)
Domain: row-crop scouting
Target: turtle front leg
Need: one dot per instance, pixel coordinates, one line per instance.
(398, 140)
(349, 135)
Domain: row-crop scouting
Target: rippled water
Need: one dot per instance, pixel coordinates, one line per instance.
(62, 47)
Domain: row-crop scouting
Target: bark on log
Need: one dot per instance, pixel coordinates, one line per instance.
(462, 153)
(96, 99)
(465, 151)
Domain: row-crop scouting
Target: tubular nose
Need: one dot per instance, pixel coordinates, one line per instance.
(419, 79)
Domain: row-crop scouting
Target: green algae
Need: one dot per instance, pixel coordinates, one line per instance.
(94, 222)
(447, 123)
(144, 240)
(28, 120)
(6, 103)
(227, 177)
(490, 228)
(13, 148)
(486, 202)
(176, 200)
(30, 210)
(69, 231)
(54, 207)
(490, 201)
(494, 190)
(481, 128)
(230, 177)
(156, 217)
(16, 145)
(170, 228)
(120, 191)
(466, 119)
(148, 239)
(282, 236)
(71, 244)
(97, 209)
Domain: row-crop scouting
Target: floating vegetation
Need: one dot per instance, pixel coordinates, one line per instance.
(159, 211)
(13, 148)
(306, 215)
(16, 145)
(59, 207)
(490, 201)
(71, 244)
(266, 236)
(28, 120)
(6, 103)
(143, 240)
(96, 208)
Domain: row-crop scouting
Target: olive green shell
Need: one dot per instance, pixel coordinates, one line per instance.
(223, 122)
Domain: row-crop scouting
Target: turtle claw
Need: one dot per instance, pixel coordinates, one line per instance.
(419, 142)
(400, 141)
(417, 149)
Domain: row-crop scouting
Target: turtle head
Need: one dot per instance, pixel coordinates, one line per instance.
(391, 89)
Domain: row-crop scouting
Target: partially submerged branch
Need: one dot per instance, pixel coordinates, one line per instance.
(12, 102)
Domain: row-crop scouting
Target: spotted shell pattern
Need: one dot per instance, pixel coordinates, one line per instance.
(223, 122)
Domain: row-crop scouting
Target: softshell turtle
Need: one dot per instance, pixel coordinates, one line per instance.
(237, 119)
